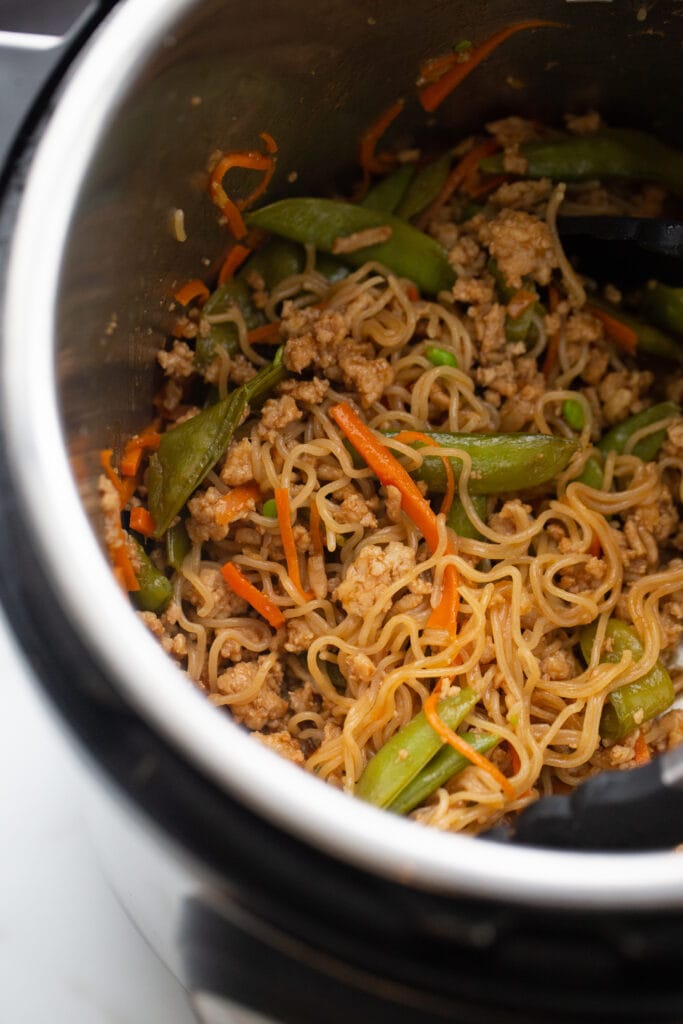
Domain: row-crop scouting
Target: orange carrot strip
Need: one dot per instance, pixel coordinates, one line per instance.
(284, 515)
(595, 547)
(232, 262)
(267, 332)
(412, 293)
(193, 289)
(371, 162)
(249, 160)
(445, 614)
(141, 521)
(120, 558)
(148, 440)
(432, 95)
(449, 736)
(620, 333)
(435, 67)
(459, 174)
(516, 763)
(552, 351)
(259, 601)
(269, 142)
(481, 186)
(235, 502)
(520, 302)
(125, 488)
(315, 529)
(641, 750)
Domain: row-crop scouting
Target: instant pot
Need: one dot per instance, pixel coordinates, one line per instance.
(271, 895)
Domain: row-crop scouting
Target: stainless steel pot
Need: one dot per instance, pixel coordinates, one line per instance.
(162, 84)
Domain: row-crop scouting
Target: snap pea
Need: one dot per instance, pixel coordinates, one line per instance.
(572, 413)
(388, 192)
(408, 252)
(517, 328)
(178, 545)
(187, 452)
(155, 589)
(636, 702)
(409, 750)
(425, 187)
(664, 306)
(458, 520)
(500, 462)
(233, 293)
(617, 153)
(440, 356)
(617, 438)
(649, 338)
(442, 767)
(592, 475)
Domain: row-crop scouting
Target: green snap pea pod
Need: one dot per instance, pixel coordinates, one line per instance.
(460, 522)
(178, 545)
(425, 187)
(409, 750)
(500, 462)
(233, 293)
(516, 328)
(664, 306)
(649, 338)
(389, 191)
(408, 252)
(187, 452)
(633, 703)
(442, 767)
(591, 475)
(617, 438)
(155, 589)
(616, 153)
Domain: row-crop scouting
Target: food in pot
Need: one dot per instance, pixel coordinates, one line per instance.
(409, 506)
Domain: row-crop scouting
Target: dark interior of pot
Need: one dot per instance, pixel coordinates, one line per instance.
(314, 76)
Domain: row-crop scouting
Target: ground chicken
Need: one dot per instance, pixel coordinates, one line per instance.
(299, 635)
(216, 597)
(179, 362)
(355, 509)
(205, 509)
(510, 131)
(374, 570)
(310, 391)
(238, 467)
(624, 392)
(277, 413)
(357, 668)
(267, 707)
(583, 124)
(522, 195)
(283, 743)
(522, 246)
(512, 517)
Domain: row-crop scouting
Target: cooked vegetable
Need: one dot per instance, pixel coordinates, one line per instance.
(632, 334)
(408, 252)
(458, 520)
(259, 601)
(389, 191)
(592, 474)
(646, 449)
(664, 306)
(284, 516)
(424, 187)
(634, 703)
(270, 508)
(154, 589)
(187, 453)
(193, 289)
(370, 161)
(249, 160)
(500, 462)
(614, 153)
(407, 752)
(178, 545)
(442, 767)
(440, 356)
(573, 414)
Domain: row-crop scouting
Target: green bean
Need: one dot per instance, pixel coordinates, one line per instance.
(664, 306)
(187, 452)
(633, 703)
(270, 508)
(442, 767)
(155, 589)
(408, 252)
(425, 187)
(178, 545)
(617, 438)
(616, 153)
(440, 356)
(500, 462)
(389, 191)
(573, 414)
(458, 520)
(648, 337)
(409, 750)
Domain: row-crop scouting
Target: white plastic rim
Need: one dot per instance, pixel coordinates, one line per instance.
(278, 791)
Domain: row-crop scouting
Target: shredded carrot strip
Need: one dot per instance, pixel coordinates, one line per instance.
(370, 161)
(449, 736)
(232, 262)
(390, 471)
(125, 488)
(520, 302)
(435, 67)
(407, 437)
(269, 142)
(193, 289)
(249, 160)
(620, 333)
(120, 558)
(460, 173)
(514, 756)
(432, 95)
(595, 547)
(481, 186)
(553, 349)
(412, 293)
(141, 521)
(259, 601)
(284, 515)
(641, 750)
(148, 440)
(315, 529)
(235, 502)
(267, 332)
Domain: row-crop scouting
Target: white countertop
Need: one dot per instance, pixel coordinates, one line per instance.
(68, 952)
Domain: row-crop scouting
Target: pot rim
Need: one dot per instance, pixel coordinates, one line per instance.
(345, 828)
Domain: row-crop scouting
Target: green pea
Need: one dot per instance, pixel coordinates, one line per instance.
(573, 414)
(440, 356)
(270, 508)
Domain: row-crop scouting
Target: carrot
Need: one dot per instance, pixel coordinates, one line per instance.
(259, 601)
(123, 567)
(124, 488)
(408, 436)
(315, 530)
(433, 94)
(247, 160)
(435, 67)
(449, 736)
(413, 293)
(370, 161)
(193, 289)
(136, 446)
(595, 547)
(284, 515)
(232, 262)
(481, 186)
(269, 142)
(141, 521)
(390, 471)
(267, 332)
(514, 756)
(462, 172)
(641, 750)
(552, 351)
(620, 333)
(520, 302)
(237, 501)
